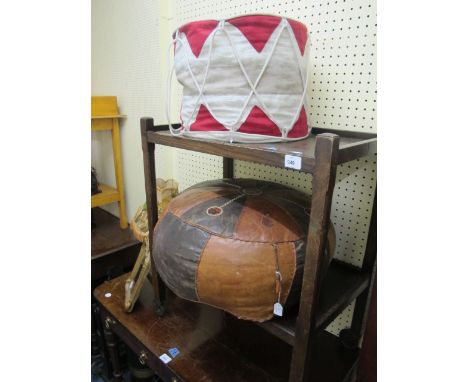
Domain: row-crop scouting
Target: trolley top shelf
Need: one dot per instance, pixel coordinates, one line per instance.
(352, 146)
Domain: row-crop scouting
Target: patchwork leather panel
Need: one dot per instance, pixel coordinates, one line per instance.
(262, 220)
(176, 251)
(239, 276)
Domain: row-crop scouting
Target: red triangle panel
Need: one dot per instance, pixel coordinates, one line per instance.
(197, 32)
(300, 128)
(257, 29)
(206, 122)
(258, 123)
(300, 31)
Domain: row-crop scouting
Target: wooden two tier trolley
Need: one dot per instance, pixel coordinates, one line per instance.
(213, 345)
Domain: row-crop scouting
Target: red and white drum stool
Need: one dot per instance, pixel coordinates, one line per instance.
(244, 79)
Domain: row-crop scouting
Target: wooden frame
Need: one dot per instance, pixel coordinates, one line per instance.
(320, 155)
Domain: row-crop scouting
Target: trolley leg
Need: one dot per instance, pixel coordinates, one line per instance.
(323, 182)
(351, 337)
(112, 348)
(149, 165)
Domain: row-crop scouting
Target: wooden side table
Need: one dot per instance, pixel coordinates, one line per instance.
(214, 346)
(105, 117)
(111, 247)
(113, 251)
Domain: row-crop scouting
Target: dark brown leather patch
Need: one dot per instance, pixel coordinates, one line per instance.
(176, 251)
(239, 276)
(262, 220)
(222, 224)
(296, 204)
(296, 285)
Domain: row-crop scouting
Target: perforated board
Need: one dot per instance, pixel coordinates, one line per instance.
(341, 95)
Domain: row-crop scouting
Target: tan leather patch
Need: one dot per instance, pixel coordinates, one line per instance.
(264, 221)
(239, 276)
(189, 199)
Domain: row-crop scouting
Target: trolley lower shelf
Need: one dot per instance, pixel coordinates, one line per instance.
(213, 345)
(343, 283)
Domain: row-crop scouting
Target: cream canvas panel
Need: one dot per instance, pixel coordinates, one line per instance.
(341, 95)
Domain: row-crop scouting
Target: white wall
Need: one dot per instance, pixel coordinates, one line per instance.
(126, 62)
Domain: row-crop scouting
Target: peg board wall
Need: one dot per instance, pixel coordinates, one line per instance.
(341, 95)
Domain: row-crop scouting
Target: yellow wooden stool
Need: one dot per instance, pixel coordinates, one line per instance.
(105, 116)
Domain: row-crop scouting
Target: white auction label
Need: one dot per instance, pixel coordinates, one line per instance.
(278, 309)
(292, 161)
(165, 358)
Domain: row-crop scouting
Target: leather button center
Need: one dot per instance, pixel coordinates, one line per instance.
(214, 211)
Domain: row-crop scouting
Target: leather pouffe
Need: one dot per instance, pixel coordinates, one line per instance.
(236, 244)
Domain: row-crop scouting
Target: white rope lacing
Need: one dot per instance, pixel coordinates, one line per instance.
(253, 86)
(173, 130)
